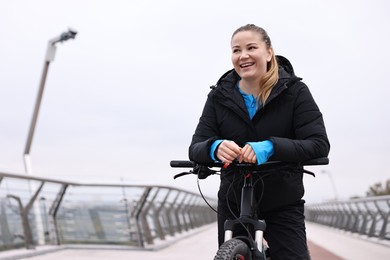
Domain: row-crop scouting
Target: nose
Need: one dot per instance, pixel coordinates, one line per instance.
(244, 55)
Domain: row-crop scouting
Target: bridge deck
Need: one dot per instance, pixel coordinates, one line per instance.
(324, 243)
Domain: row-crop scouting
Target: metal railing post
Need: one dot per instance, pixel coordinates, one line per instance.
(52, 222)
(385, 217)
(172, 227)
(24, 211)
(138, 212)
(158, 215)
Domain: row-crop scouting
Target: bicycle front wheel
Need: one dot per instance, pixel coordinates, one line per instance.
(233, 249)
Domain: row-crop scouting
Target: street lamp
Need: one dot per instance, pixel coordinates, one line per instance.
(336, 197)
(49, 57)
(50, 53)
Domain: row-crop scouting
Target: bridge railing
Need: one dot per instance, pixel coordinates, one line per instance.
(35, 211)
(367, 216)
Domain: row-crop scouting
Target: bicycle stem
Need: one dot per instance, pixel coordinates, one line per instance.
(247, 199)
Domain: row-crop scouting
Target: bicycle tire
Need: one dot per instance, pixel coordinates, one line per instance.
(233, 249)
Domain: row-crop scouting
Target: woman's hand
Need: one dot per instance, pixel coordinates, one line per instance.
(247, 154)
(228, 151)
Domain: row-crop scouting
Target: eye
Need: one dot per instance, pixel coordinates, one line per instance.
(236, 50)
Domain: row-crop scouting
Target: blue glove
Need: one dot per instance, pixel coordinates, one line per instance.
(263, 150)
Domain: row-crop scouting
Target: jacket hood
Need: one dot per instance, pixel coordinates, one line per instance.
(286, 67)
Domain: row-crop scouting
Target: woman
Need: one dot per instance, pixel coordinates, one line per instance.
(261, 111)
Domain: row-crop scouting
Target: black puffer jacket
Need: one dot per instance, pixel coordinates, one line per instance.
(290, 118)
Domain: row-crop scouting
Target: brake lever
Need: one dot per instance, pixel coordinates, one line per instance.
(182, 174)
(202, 171)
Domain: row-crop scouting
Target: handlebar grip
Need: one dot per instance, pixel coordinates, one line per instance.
(182, 164)
(317, 161)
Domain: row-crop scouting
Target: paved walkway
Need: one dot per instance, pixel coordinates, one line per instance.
(346, 245)
(201, 244)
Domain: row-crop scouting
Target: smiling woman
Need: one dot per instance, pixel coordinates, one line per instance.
(258, 111)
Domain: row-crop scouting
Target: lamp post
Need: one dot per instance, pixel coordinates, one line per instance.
(336, 197)
(49, 57)
(50, 53)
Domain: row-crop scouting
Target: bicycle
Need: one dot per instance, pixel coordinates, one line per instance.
(250, 247)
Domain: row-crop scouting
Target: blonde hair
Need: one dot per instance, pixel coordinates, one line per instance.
(268, 81)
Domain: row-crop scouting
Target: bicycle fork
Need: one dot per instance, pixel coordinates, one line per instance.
(247, 218)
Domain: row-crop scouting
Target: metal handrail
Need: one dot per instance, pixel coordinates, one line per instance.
(366, 216)
(73, 212)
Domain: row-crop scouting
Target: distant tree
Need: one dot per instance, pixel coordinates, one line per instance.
(378, 189)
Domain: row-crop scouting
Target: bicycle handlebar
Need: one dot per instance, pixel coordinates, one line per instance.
(203, 170)
(191, 164)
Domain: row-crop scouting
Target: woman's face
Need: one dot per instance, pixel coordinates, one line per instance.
(250, 55)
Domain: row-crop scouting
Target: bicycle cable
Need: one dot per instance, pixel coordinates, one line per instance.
(204, 198)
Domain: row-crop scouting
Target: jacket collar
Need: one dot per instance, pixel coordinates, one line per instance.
(228, 94)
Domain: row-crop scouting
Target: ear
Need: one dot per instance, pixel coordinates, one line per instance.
(270, 53)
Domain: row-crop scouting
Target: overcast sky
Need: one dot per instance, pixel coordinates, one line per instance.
(124, 97)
